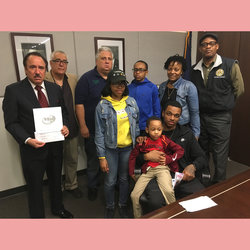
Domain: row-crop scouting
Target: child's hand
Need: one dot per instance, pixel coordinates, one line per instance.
(141, 139)
(162, 160)
(133, 177)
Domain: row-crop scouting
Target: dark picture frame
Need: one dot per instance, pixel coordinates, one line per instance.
(23, 43)
(117, 45)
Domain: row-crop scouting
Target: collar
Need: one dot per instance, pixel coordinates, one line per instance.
(97, 73)
(142, 82)
(178, 82)
(65, 76)
(218, 61)
(211, 64)
(33, 85)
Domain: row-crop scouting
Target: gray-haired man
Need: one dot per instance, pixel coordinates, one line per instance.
(67, 82)
(87, 96)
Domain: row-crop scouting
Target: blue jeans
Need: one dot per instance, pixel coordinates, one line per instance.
(118, 168)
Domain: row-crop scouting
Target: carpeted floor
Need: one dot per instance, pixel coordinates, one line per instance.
(15, 206)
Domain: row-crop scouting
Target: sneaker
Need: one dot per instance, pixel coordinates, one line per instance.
(77, 193)
(123, 211)
(109, 213)
(92, 194)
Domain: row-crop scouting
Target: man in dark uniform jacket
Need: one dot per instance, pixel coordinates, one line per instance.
(219, 83)
(37, 157)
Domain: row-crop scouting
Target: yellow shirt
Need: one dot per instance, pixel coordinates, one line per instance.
(123, 127)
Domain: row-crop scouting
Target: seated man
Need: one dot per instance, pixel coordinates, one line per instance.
(191, 164)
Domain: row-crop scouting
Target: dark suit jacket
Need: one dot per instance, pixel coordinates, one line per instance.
(19, 101)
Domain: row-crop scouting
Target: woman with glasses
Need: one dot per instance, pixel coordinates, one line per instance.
(181, 90)
(117, 126)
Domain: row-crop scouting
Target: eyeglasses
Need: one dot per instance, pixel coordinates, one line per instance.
(139, 70)
(171, 114)
(60, 61)
(212, 43)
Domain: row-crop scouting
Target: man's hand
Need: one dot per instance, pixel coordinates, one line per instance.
(189, 173)
(84, 132)
(155, 156)
(35, 143)
(65, 131)
(104, 165)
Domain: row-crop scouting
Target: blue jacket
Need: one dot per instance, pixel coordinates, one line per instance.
(147, 98)
(187, 96)
(106, 124)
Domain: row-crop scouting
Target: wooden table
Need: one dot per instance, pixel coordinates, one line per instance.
(232, 197)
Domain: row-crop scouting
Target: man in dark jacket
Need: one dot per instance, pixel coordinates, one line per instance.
(191, 164)
(219, 83)
(20, 99)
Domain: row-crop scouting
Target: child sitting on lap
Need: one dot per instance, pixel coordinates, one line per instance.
(173, 152)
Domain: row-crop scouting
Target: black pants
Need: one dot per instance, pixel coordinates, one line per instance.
(215, 138)
(93, 166)
(35, 162)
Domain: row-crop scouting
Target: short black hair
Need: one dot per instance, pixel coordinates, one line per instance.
(141, 61)
(214, 36)
(106, 91)
(152, 118)
(173, 103)
(34, 54)
(176, 58)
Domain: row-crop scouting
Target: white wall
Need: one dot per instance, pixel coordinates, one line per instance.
(153, 47)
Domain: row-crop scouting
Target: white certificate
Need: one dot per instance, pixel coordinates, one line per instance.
(48, 124)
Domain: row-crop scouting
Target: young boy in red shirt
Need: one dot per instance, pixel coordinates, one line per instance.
(173, 152)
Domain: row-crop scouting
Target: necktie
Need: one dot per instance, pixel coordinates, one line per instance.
(41, 97)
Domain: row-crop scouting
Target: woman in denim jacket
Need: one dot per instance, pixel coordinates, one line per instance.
(181, 90)
(117, 126)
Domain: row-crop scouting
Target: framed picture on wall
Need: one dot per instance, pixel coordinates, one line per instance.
(117, 47)
(24, 43)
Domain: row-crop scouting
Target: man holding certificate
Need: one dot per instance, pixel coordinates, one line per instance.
(31, 108)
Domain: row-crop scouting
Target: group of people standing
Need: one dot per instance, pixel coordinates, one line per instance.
(114, 117)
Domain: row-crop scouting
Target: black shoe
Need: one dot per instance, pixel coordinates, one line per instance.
(123, 211)
(109, 213)
(92, 194)
(77, 193)
(64, 214)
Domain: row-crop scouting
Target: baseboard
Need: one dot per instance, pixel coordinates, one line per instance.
(23, 188)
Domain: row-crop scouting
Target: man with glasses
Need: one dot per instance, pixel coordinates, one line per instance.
(88, 94)
(145, 93)
(67, 82)
(219, 83)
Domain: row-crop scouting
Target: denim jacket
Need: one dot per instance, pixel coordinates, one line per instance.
(106, 124)
(187, 96)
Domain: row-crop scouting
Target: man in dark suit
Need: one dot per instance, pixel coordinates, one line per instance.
(37, 157)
